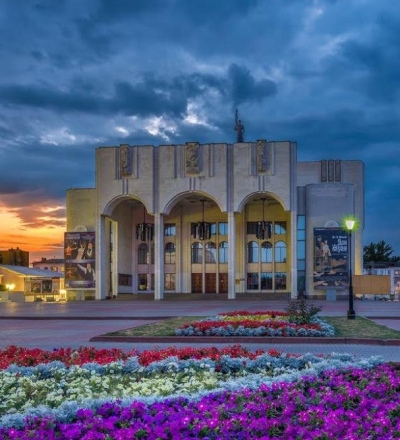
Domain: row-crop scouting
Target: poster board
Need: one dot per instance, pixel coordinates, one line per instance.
(79, 254)
(331, 257)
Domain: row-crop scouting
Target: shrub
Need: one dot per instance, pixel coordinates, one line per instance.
(302, 311)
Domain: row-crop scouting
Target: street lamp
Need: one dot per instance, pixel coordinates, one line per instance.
(351, 314)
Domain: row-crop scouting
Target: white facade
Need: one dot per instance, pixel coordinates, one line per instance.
(231, 187)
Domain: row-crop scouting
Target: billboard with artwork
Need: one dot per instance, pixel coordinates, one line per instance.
(79, 254)
(331, 258)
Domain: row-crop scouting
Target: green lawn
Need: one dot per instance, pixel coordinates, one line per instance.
(345, 328)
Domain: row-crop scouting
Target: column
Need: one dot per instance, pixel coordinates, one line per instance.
(101, 265)
(293, 254)
(231, 256)
(159, 257)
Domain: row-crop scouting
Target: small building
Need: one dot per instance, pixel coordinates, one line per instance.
(30, 284)
(392, 271)
(53, 264)
(15, 257)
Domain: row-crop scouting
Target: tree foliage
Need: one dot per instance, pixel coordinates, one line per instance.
(378, 252)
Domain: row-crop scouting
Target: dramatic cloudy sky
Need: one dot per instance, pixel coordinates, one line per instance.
(77, 74)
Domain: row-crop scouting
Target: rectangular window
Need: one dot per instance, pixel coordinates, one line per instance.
(252, 281)
(124, 279)
(143, 282)
(280, 228)
(301, 250)
(301, 281)
(252, 228)
(223, 228)
(301, 222)
(280, 281)
(213, 228)
(266, 281)
(169, 281)
(169, 229)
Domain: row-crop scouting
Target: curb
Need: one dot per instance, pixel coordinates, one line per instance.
(88, 318)
(248, 340)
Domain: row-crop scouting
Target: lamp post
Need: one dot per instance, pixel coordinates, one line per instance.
(351, 314)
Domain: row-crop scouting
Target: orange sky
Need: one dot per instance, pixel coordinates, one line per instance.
(41, 240)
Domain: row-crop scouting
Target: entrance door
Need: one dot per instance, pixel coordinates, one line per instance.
(223, 283)
(197, 285)
(211, 282)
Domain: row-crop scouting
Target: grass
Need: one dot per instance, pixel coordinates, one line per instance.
(360, 328)
(165, 327)
(344, 328)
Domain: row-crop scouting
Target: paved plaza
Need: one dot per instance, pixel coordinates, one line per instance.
(51, 325)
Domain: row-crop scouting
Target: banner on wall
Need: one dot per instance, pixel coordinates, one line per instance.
(331, 258)
(79, 254)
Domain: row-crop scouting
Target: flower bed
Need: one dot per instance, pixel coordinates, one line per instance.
(267, 396)
(243, 323)
(57, 391)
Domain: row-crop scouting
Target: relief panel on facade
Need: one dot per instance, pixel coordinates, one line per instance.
(125, 161)
(192, 158)
(262, 156)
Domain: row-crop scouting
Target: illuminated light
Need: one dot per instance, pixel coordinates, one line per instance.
(350, 224)
(10, 287)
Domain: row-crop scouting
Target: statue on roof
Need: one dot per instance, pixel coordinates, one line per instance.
(239, 127)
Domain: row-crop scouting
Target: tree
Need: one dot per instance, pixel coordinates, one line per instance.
(377, 252)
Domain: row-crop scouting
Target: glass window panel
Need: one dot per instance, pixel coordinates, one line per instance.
(280, 228)
(280, 281)
(301, 265)
(143, 254)
(252, 228)
(301, 235)
(197, 253)
(266, 281)
(252, 281)
(301, 281)
(169, 229)
(223, 228)
(301, 250)
(169, 254)
(152, 254)
(169, 281)
(280, 252)
(252, 252)
(143, 283)
(266, 252)
(301, 222)
(211, 252)
(213, 228)
(223, 252)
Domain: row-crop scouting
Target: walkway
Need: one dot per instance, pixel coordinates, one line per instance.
(49, 325)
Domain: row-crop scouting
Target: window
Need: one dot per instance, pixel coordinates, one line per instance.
(252, 228)
(169, 253)
(301, 250)
(223, 228)
(143, 254)
(169, 229)
(223, 252)
(301, 254)
(213, 228)
(252, 252)
(54, 268)
(280, 228)
(143, 282)
(280, 281)
(211, 252)
(197, 253)
(266, 252)
(169, 281)
(266, 280)
(152, 254)
(124, 279)
(252, 281)
(280, 252)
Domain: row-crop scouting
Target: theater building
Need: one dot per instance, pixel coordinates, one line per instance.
(216, 218)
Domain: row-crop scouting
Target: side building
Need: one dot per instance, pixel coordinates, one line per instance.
(214, 218)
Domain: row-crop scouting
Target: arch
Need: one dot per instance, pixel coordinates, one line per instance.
(243, 203)
(113, 203)
(172, 202)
